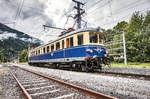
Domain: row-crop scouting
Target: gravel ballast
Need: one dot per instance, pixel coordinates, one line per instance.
(8, 86)
(140, 71)
(43, 92)
(116, 86)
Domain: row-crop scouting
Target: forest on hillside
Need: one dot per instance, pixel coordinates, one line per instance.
(137, 36)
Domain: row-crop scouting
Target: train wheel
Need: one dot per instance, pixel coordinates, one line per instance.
(79, 67)
(107, 62)
(99, 65)
(71, 67)
(57, 66)
(85, 67)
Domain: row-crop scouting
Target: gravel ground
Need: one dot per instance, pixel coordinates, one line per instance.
(116, 86)
(141, 71)
(24, 76)
(8, 86)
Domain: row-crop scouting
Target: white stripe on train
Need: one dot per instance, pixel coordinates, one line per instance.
(60, 60)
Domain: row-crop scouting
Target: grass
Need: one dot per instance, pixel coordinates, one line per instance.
(131, 65)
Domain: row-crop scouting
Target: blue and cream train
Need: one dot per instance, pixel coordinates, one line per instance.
(82, 49)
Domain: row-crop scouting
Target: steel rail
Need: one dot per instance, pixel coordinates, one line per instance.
(126, 74)
(22, 88)
(88, 92)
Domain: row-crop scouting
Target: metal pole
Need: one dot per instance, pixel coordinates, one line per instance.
(79, 13)
(124, 48)
(79, 16)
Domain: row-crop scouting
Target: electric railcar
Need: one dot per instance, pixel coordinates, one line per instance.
(82, 49)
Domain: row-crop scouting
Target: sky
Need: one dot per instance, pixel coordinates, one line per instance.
(29, 16)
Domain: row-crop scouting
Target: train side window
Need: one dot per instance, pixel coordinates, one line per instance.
(93, 38)
(44, 50)
(101, 39)
(80, 39)
(63, 44)
(57, 46)
(47, 49)
(52, 47)
(39, 51)
(67, 42)
(71, 41)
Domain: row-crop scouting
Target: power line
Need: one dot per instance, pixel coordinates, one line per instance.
(117, 13)
(122, 17)
(98, 7)
(18, 12)
(111, 10)
(21, 8)
(125, 17)
(96, 3)
(18, 9)
(126, 7)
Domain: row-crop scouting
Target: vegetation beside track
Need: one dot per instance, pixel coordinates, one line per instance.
(137, 37)
(131, 65)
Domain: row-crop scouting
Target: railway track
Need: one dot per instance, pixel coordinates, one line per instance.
(127, 75)
(110, 73)
(38, 86)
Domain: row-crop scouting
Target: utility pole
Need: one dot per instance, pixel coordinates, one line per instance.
(79, 12)
(124, 48)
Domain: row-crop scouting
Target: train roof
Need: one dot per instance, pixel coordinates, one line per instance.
(71, 33)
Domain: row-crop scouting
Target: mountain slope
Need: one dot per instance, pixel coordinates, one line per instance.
(13, 41)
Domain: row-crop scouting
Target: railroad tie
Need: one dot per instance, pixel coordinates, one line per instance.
(64, 96)
(35, 84)
(40, 87)
(45, 92)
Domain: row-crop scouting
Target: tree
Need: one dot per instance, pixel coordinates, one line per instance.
(23, 57)
(1, 57)
(137, 38)
(137, 33)
(136, 22)
(121, 26)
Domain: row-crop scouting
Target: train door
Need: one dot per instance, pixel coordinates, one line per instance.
(63, 47)
(67, 42)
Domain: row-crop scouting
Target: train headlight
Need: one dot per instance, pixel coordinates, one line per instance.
(89, 51)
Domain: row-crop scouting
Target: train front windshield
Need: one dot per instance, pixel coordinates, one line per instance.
(96, 38)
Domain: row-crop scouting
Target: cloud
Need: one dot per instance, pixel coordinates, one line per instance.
(55, 10)
(36, 13)
(6, 35)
